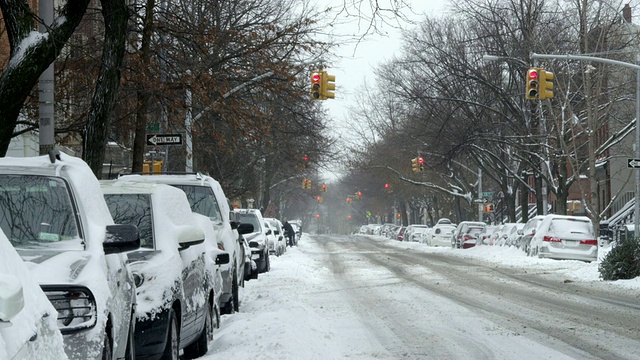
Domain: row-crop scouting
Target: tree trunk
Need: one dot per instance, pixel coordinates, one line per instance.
(139, 141)
(116, 17)
(21, 75)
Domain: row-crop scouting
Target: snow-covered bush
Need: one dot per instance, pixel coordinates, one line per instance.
(622, 262)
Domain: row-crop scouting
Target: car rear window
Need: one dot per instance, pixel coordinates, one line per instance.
(133, 209)
(203, 201)
(570, 226)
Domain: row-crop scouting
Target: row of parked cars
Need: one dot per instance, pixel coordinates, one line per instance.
(138, 267)
(546, 236)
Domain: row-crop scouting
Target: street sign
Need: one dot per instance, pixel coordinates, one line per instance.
(480, 201)
(153, 127)
(487, 194)
(164, 139)
(633, 163)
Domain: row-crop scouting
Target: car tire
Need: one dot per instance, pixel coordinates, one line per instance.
(171, 349)
(267, 266)
(107, 351)
(200, 347)
(235, 293)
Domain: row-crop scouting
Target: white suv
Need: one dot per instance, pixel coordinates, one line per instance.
(258, 241)
(53, 213)
(207, 198)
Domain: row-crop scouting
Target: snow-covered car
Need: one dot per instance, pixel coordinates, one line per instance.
(441, 235)
(565, 238)
(467, 234)
(414, 232)
(281, 241)
(527, 232)
(506, 231)
(28, 325)
(174, 291)
(53, 213)
(272, 240)
(257, 239)
(207, 198)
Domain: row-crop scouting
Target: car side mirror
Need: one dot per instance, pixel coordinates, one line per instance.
(222, 258)
(245, 228)
(189, 237)
(121, 238)
(11, 299)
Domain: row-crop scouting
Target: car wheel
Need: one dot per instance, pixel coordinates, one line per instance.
(201, 345)
(107, 353)
(235, 293)
(171, 348)
(268, 265)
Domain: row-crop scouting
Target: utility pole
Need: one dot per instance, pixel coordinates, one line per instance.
(46, 108)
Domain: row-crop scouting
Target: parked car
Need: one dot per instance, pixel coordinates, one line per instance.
(278, 232)
(490, 232)
(174, 291)
(207, 198)
(257, 239)
(414, 232)
(28, 324)
(507, 231)
(565, 237)
(271, 237)
(527, 232)
(440, 235)
(399, 234)
(53, 213)
(467, 234)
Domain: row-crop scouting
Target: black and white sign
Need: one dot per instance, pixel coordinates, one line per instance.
(633, 163)
(164, 139)
(480, 201)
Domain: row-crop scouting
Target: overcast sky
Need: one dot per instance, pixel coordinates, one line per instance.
(356, 62)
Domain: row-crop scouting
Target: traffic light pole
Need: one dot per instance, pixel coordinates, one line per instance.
(636, 66)
(480, 205)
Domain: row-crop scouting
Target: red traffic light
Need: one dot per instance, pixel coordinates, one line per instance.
(420, 161)
(315, 78)
(305, 158)
(317, 216)
(533, 74)
(386, 186)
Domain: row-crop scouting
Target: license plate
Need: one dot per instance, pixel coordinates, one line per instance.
(571, 242)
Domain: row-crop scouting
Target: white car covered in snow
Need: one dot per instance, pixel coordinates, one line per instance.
(28, 325)
(175, 295)
(53, 213)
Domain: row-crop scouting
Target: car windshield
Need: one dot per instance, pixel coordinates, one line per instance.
(133, 209)
(202, 201)
(36, 212)
(251, 219)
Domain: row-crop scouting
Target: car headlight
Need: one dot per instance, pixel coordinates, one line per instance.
(75, 304)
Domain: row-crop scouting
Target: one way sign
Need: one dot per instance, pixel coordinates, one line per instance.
(164, 139)
(633, 163)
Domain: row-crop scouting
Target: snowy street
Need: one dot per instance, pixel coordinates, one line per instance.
(367, 297)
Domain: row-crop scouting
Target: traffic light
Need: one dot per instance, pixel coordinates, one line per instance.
(348, 200)
(323, 188)
(387, 188)
(328, 86)
(489, 208)
(306, 184)
(415, 166)
(546, 84)
(358, 195)
(533, 84)
(317, 216)
(316, 85)
(420, 164)
(319, 198)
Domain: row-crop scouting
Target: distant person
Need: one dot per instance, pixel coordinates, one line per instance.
(289, 233)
